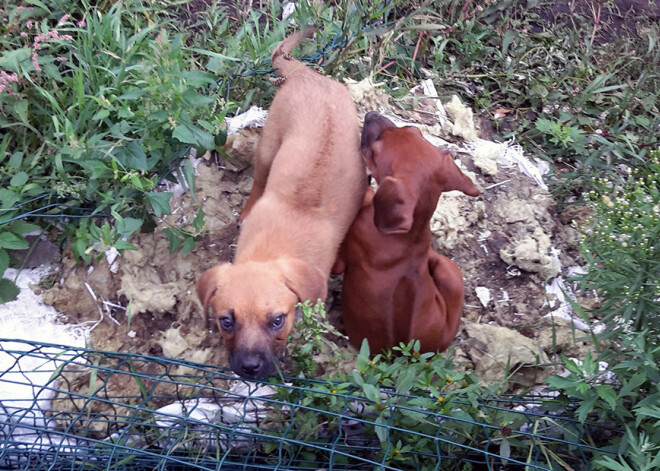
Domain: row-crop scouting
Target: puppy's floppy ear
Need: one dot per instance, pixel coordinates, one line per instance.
(394, 205)
(305, 281)
(208, 284)
(451, 177)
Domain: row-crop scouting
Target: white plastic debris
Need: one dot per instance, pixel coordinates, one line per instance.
(253, 117)
(428, 89)
(111, 257)
(512, 155)
(565, 311)
(483, 294)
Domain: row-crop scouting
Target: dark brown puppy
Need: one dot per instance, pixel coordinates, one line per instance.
(309, 180)
(396, 288)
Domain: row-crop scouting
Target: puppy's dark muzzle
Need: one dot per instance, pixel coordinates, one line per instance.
(252, 364)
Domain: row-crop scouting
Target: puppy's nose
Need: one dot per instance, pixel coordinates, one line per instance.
(251, 363)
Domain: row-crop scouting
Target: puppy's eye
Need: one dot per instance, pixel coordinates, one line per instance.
(226, 323)
(278, 322)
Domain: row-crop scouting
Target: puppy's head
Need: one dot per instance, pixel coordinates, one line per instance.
(254, 306)
(408, 169)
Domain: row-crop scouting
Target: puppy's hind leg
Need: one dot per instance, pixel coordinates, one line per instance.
(448, 280)
(267, 148)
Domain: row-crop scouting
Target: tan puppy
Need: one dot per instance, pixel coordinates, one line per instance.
(396, 288)
(309, 180)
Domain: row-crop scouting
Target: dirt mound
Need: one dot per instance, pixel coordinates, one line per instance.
(509, 242)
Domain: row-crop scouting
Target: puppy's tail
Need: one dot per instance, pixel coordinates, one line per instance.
(281, 60)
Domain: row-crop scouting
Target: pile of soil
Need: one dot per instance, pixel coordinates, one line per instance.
(509, 241)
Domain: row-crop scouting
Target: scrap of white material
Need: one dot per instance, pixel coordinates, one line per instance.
(512, 155)
(111, 257)
(428, 89)
(605, 376)
(254, 117)
(561, 290)
(287, 10)
(244, 407)
(27, 318)
(483, 294)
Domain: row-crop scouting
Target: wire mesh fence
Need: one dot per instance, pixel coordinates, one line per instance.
(66, 408)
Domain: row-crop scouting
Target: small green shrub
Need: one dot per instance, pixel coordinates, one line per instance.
(625, 395)
(622, 250)
(95, 111)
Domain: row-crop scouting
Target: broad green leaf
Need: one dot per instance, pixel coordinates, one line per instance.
(125, 112)
(539, 90)
(585, 408)
(195, 99)
(160, 202)
(158, 116)
(189, 134)
(357, 378)
(189, 175)
(101, 114)
(23, 227)
(21, 110)
(132, 94)
(124, 245)
(371, 392)
(363, 359)
(198, 222)
(417, 416)
(4, 261)
(175, 240)
(560, 383)
(96, 168)
(607, 393)
(631, 385)
(19, 179)
(405, 380)
(8, 199)
(199, 77)
(11, 60)
(8, 290)
(127, 226)
(188, 245)
(131, 155)
(16, 160)
(507, 39)
(381, 428)
(12, 241)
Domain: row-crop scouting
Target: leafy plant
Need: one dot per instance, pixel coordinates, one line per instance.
(11, 238)
(95, 111)
(620, 247)
(311, 336)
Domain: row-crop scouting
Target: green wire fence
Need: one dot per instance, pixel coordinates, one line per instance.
(65, 408)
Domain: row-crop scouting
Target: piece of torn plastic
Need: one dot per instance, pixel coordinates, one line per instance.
(255, 116)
